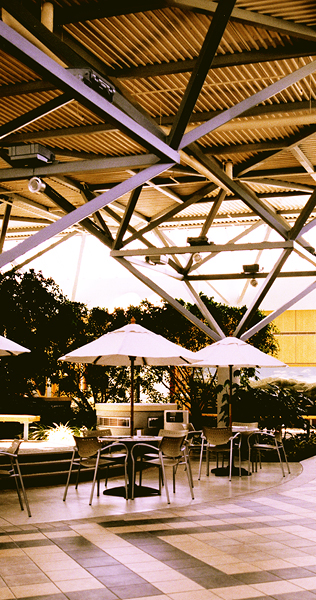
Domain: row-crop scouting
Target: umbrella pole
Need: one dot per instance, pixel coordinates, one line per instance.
(230, 394)
(132, 359)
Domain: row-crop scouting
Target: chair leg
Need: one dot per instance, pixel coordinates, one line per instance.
(207, 460)
(15, 476)
(189, 474)
(231, 450)
(188, 467)
(201, 458)
(69, 474)
(23, 488)
(260, 463)
(95, 475)
(126, 480)
(164, 477)
(280, 459)
(140, 474)
(285, 458)
(78, 475)
(106, 477)
(239, 460)
(133, 477)
(160, 480)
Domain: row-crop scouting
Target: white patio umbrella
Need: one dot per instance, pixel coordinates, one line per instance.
(7, 347)
(233, 352)
(131, 345)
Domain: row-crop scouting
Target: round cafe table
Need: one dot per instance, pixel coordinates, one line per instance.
(245, 431)
(130, 442)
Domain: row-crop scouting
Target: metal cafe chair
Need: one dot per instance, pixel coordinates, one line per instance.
(221, 441)
(90, 453)
(194, 440)
(266, 441)
(171, 452)
(13, 470)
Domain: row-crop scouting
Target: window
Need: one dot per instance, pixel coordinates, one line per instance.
(115, 421)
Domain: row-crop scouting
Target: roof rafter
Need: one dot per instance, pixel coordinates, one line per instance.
(219, 61)
(241, 107)
(170, 213)
(81, 213)
(86, 223)
(78, 58)
(120, 163)
(290, 143)
(24, 50)
(252, 18)
(198, 76)
(92, 11)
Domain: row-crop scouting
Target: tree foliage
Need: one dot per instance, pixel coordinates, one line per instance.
(272, 404)
(36, 314)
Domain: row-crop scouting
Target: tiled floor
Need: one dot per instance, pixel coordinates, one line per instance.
(252, 538)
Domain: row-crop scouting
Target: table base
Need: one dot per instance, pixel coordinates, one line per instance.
(140, 491)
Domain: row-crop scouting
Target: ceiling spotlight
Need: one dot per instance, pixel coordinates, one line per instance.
(197, 257)
(36, 185)
(253, 282)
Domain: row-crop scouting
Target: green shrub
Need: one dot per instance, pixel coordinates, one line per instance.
(300, 446)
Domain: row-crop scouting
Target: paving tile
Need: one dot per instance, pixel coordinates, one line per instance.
(66, 575)
(28, 591)
(256, 577)
(100, 594)
(292, 573)
(241, 592)
(307, 583)
(76, 585)
(277, 587)
(25, 579)
(249, 547)
(135, 591)
(302, 595)
(6, 594)
(116, 580)
(178, 585)
(197, 595)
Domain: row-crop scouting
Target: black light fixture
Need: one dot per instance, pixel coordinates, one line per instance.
(202, 240)
(156, 260)
(251, 268)
(96, 82)
(28, 155)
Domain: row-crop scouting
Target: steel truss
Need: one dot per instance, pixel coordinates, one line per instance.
(166, 155)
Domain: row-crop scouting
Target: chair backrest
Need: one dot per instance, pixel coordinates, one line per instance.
(87, 446)
(14, 448)
(176, 427)
(216, 436)
(278, 435)
(171, 443)
(251, 425)
(106, 431)
(114, 448)
(90, 433)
